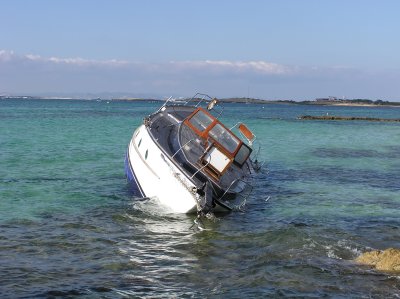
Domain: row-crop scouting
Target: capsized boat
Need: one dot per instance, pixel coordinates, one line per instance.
(189, 160)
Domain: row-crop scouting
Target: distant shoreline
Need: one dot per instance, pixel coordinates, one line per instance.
(345, 103)
(341, 118)
(348, 103)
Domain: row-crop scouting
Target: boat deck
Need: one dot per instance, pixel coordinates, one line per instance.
(164, 127)
(178, 141)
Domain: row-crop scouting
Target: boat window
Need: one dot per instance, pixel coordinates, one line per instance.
(242, 154)
(146, 154)
(201, 120)
(224, 138)
(140, 141)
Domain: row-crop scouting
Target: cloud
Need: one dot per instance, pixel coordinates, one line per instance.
(10, 56)
(6, 55)
(32, 73)
(261, 67)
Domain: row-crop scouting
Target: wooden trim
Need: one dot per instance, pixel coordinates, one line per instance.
(205, 134)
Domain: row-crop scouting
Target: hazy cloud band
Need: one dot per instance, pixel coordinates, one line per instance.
(34, 73)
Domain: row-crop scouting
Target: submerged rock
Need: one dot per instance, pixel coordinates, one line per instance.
(386, 260)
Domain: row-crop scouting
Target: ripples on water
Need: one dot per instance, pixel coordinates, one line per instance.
(79, 233)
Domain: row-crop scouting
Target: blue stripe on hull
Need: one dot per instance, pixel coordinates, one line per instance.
(132, 179)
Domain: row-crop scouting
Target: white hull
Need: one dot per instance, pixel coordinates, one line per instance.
(158, 177)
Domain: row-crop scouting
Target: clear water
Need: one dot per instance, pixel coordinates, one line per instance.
(70, 228)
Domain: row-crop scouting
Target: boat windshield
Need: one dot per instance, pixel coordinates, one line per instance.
(200, 120)
(207, 126)
(224, 137)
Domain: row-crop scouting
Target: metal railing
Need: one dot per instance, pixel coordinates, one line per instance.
(200, 97)
(182, 147)
(238, 193)
(200, 169)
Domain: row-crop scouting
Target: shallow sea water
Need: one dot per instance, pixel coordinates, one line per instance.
(69, 226)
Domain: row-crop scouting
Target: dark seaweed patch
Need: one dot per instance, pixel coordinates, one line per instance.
(393, 152)
(345, 153)
(341, 175)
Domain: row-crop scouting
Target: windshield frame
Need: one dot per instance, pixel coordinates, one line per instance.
(215, 123)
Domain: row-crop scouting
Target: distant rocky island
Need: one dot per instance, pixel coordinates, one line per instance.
(333, 117)
(350, 102)
(330, 101)
(319, 101)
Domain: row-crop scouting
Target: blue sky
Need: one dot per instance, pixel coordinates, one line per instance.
(287, 49)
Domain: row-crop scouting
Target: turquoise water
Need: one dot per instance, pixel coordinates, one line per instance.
(69, 226)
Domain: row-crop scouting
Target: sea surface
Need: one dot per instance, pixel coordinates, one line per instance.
(70, 228)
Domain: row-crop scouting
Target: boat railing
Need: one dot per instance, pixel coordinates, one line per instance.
(254, 159)
(244, 196)
(210, 144)
(163, 105)
(201, 168)
(200, 98)
(211, 102)
(182, 146)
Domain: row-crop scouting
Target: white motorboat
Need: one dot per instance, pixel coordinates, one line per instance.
(192, 163)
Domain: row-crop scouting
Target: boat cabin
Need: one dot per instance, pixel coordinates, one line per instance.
(223, 147)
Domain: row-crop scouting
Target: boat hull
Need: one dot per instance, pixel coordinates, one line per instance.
(134, 184)
(151, 174)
